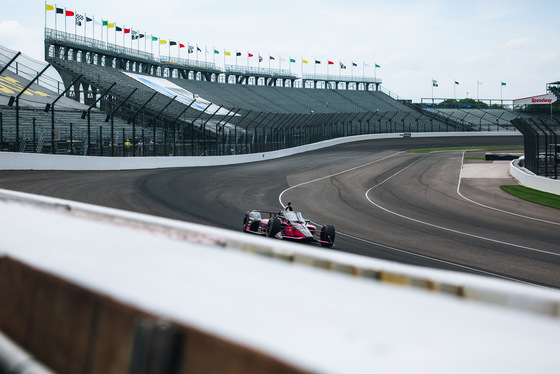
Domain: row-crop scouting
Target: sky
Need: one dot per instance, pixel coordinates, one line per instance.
(478, 44)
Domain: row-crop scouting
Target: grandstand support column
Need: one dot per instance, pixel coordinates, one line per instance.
(88, 113)
(403, 129)
(238, 124)
(204, 129)
(51, 107)
(175, 126)
(10, 103)
(112, 116)
(192, 127)
(223, 132)
(255, 131)
(154, 127)
(10, 62)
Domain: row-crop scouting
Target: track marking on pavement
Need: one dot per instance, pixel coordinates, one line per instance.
(439, 260)
(492, 208)
(395, 249)
(335, 174)
(447, 228)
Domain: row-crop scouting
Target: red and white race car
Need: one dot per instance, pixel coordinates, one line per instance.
(287, 224)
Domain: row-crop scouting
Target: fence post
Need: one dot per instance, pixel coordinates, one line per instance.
(34, 136)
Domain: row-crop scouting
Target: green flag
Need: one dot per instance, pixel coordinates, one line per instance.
(105, 23)
(154, 38)
(503, 83)
(377, 66)
(292, 60)
(216, 51)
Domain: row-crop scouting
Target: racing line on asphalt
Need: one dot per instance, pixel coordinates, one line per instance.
(426, 223)
(493, 208)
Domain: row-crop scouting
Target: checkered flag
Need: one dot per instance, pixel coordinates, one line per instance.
(79, 19)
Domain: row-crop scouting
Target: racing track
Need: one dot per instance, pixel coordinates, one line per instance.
(384, 202)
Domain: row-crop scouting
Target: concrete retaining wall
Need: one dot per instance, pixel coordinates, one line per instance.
(33, 161)
(529, 179)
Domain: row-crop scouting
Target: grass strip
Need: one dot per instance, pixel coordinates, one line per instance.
(534, 196)
(428, 150)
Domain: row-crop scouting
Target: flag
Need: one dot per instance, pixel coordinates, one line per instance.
(342, 66)
(141, 35)
(216, 52)
(88, 19)
(172, 43)
(118, 28)
(181, 45)
(272, 58)
(127, 31)
(260, 58)
(330, 62)
(105, 23)
(154, 38)
(110, 25)
(456, 82)
(354, 64)
(434, 83)
(69, 13)
(304, 61)
(292, 60)
(227, 53)
(162, 41)
(377, 66)
(503, 83)
(250, 54)
(317, 61)
(191, 49)
(79, 19)
(50, 7)
(198, 49)
(238, 53)
(59, 11)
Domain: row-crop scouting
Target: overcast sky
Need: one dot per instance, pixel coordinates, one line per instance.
(413, 42)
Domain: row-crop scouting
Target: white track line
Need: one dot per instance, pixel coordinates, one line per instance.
(446, 228)
(496, 209)
(402, 250)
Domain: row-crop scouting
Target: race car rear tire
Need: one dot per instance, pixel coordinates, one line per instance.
(327, 235)
(273, 228)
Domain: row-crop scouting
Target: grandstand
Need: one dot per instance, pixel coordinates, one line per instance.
(187, 107)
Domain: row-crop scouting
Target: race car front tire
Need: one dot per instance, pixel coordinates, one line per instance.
(327, 235)
(273, 228)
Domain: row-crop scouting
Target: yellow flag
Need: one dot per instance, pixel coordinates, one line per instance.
(162, 41)
(227, 53)
(110, 25)
(304, 61)
(50, 7)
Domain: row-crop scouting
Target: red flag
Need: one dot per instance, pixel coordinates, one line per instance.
(331, 63)
(127, 31)
(181, 45)
(250, 55)
(69, 13)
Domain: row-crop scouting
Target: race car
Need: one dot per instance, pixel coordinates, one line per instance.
(287, 224)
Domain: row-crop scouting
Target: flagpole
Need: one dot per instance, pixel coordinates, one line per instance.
(64, 19)
(46, 14)
(55, 17)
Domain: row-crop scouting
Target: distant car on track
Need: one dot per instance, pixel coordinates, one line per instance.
(287, 224)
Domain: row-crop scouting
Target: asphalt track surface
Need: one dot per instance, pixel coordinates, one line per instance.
(385, 202)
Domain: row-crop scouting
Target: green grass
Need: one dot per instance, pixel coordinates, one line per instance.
(534, 196)
(428, 150)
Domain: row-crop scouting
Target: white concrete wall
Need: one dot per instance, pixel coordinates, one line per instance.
(528, 179)
(32, 161)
